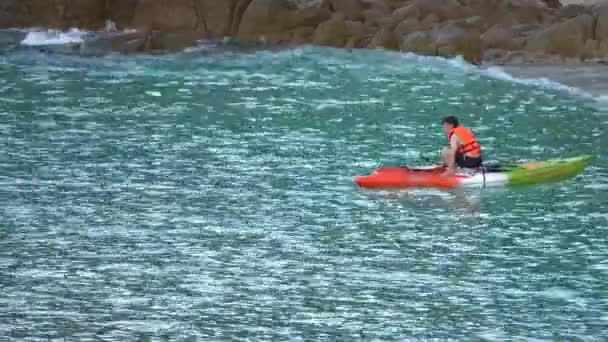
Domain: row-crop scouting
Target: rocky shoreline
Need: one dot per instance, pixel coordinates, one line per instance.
(496, 31)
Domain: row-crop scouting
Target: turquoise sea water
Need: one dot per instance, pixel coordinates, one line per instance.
(208, 196)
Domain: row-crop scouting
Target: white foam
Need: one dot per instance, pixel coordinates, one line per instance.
(154, 93)
(110, 26)
(543, 82)
(53, 37)
(499, 73)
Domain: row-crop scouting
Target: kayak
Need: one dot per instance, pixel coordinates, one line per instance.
(529, 173)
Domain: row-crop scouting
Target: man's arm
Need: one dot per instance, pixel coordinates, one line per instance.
(451, 154)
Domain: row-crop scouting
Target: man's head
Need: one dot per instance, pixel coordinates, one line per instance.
(449, 123)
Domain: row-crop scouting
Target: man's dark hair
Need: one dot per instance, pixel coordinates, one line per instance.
(452, 120)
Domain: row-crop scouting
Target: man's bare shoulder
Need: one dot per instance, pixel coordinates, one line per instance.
(455, 141)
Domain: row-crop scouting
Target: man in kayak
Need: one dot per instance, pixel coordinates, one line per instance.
(463, 149)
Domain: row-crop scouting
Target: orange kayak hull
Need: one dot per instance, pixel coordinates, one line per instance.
(400, 178)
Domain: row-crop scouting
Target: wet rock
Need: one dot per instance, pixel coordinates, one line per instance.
(496, 56)
(408, 26)
(121, 12)
(509, 12)
(139, 42)
(352, 9)
(166, 15)
(336, 32)
(272, 18)
(590, 49)
(430, 20)
(524, 30)
(542, 28)
(386, 39)
(525, 13)
(419, 42)
(553, 3)
(602, 51)
(601, 14)
(411, 11)
(477, 21)
(264, 18)
(452, 40)
(128, 43)
(52, 14)
(572, 11)
(359, 41)
(566, 39)
(310, 16)
(499, 37)
(82, 14)
(303, 35)
(380, 6)
(216, 16)
(159, 42)
(374, 18)
(443, 9)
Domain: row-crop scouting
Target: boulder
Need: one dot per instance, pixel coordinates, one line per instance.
(602, 51)
(374, 17)
(267, 18)
(566, 39)
(525, 12)
(553, 3)
(430, 19)
(125, 43)
(129, 43)
(571, 11)
(448, 40)
(411, 11)
(352, 9)
(419, 42)
(601, 14)
(121, 12)
(167, 15)
(381, 6)
(53, 14)
(303, 35)
(22, 13)
(509, 12)
(523, 30)
(81, 14)
(216, 16)
(452, 40)
(496, 56)
(499, 37)
(385, 39)
(526, 57)
(360, 41)
(477, 21)
(510, 57)
(7, 14)
(590, 49)
(170, 42)
(336, 32)
(310, 16)
(443, 9)
(408, 26)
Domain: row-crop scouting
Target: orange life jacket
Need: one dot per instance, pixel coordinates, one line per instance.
(468, 144)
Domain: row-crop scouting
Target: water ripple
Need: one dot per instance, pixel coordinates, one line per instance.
(167, 198)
